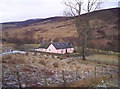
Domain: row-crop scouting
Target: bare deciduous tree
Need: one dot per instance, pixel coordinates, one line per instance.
(84, 30)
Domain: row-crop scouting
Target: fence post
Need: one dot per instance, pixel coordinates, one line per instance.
(110, 77)
(18, 78)
(102, 69)
(88, 72)
(45, 81)
(95, 71)
(106, 68)
(76, 74)
(64, 78)
(113, 61)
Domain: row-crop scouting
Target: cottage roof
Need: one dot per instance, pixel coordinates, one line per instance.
(56, 45)
(62, 45)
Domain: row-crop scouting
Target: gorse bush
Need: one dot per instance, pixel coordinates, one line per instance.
(56, 64)
(13, 59)
(42, 62)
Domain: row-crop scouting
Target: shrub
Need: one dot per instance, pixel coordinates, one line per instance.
(56, 64)
(7, 57)
(13, 60)
(42, 62)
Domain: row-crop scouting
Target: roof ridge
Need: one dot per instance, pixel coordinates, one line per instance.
(62, 45)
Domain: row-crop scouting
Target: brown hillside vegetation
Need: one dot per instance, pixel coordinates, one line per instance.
(105, 32)
(41, 70)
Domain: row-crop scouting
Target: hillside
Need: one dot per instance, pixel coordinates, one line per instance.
(105, 33)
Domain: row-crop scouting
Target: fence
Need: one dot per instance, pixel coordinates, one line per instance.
(42, 77)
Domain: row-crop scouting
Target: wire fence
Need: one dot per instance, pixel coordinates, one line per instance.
(42, 77)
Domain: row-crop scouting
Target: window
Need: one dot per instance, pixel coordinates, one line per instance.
(49, 49)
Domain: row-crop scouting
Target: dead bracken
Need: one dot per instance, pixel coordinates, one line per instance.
(46, 72)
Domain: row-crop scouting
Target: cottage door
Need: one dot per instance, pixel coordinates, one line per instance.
(65, 50)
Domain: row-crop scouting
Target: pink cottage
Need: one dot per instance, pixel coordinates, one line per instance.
(61, 48)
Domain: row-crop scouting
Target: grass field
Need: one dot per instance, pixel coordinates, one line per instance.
(102, 58)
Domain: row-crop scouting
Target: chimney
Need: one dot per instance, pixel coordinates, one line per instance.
(51, 40)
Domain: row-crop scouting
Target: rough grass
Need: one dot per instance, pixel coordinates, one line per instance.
(49, 64)
(91, 82)
(6, 44)
(107, 59)
(101, 56)
(14, 59)
(33, 45)
(98, 51)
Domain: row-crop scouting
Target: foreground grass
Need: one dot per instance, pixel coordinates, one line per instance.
(31, 62)
(100, 81)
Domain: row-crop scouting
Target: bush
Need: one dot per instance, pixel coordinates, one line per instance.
(7, 57)
(17, 59)
(42, 62)
(55, 64)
